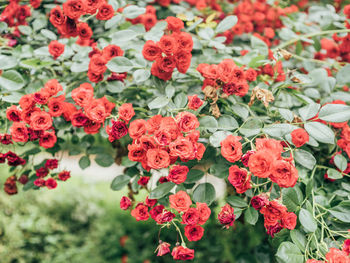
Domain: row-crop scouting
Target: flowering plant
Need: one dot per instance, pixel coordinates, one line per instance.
(235, 105)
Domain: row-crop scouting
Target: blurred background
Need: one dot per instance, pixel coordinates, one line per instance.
(80, 221)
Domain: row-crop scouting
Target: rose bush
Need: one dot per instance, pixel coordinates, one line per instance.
(251, 92)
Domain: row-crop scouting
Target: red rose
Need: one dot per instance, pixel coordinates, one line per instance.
(299, 137)
(13, 113)
(184, 41)
(190, 217)
(151, 51)
(83, 94)
(346, 245)
(40, 120)
(182, 148)
(41, 97)
(39, 182)
(283, 173)
(289, 220)
(79, 119)
(273, 145)
(96, 111)
(117, 131)
(10, 186)
(19, 132)
(5, 139)
(245, 157)
(51, 183)
(187, 121)
(74, 8)
(165, 216)
(157, 159)
(162, 137)
(95, 77)
(174, 23)
(150, 202)
(56, 49)
(153, 123)
(57, 18)
(140, 212)
(42, 172)
(156, 71)
(337, 256)
(183, 60)
(166, 64)
(260, 163)
(69, 110)
(148, 20)
(259, 201)
(169, 124)
(273, 229)
(52, 87)
(239, 178)
(56, 106)
(143, 180)
(273, 212)
(91, 6)
(137, 128)
(194, 103)
(203, 211)
(182, 253)
(125, 203)
(84, 31)
(51, 164)
(69, 28)
(105, 12)
(27, 102)
(226, 216)
(250, 74)
(194, 233)
(97, 64)
(136, 152)
(112, 51)
(180, 201)
(64, 175)
(178, 174)
(126, 112)
(48, 139)
(163, 249)
(147, 143)
(231, 148)
(155, 211)
(168, 44)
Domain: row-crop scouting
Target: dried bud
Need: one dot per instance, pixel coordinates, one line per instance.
(264, 95)
(286, 55)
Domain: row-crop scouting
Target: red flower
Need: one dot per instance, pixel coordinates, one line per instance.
(283, 173)
(163, 248)
(40, 120)
(157, 159)
(299, 137)
(231, 148)
(137, 128)
(56, 49)
(174, 23)
(239, 178)
(289, 220)
(194, 103)
(143, 180)
(180, 201)
(337, 256)
(190, 217)
(19, 132)
(51, 164)
(204, 212)
(126, 112)
(273, 212)
(260, 163)
(178, 174)
(74, 8)
(39, 182)
(182, 253)
(125, 203)
(13, 113)
(42, 172)
(140, 212)
(84, 31)
(105, 12)
(64, 175)
(57, 17)
(10, 186)
(187, 121)
(151, 51)
(117, 131)
(194, 233)
(226, 216)
(112, 51)
(48, 139)
(51, 183)
(259, 201)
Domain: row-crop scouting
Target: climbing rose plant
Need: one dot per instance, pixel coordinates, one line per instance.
(253, 93)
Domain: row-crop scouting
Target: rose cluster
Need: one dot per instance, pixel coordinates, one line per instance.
(44, 171)
(228, 77)
(99, 59)
(181, 204)
(337, 48)
(276, 215)
(336, 255)
(12, 159)
(203, 4)
(171, 51)
(66, 19)
(160, 141)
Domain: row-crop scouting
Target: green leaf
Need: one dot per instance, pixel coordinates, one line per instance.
(289, 253)
(341, 162)
(259, 45)
(309, 111)
(343, 76)
(251, 216)
(193, 176)
(7, 62)
(227, 122)
(123, 36)
(292, 198)
(25, 30)
(335, 113)
(161, 190)
(180, 100)
(48, 34)
(127, 162)
(305, 158)
(320, 132)
(298, 238)
(226, 24)
(84, 162)
(236, 201)
(278, 130)
(334, 174)
(307, 221)
(30, 184)
(342, 211)
(141, 75)
(217, 137)
(251, 127)
(120, 64)
(11, 80)
(208, 123)
(133, 11)
(115, 86)
(14, 97)
(204, 193)
(158, 102)
(119, 182)
(286, 114)
(104, 159)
